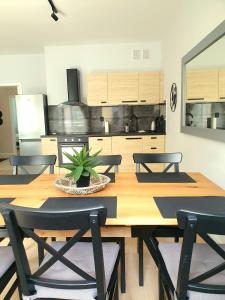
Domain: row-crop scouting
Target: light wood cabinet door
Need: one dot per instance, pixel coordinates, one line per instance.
(97, 89)
(202, 85)
(49, 146)
(100, 143)
(222, 84)
(154, 144)
(123, 88)
(126, 146)
(149, 87)
(161, 88)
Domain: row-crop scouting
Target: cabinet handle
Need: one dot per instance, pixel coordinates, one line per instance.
(103, 101)
(153, 148)
(222, 98)
(139, 138)
(129, 101)
(143, 101)
(52, 140)
(154, 138)
(99, 139)
(196, 99)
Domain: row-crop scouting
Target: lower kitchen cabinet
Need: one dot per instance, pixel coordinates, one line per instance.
(49, 146)
(126, 146)
(100, 143)
(154, 144)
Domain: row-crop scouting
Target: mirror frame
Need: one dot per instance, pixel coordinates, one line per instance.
(210, 39)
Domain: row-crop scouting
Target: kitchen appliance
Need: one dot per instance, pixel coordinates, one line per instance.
(160, 124)
(133, 123)
(31, 114)
(106, 125)
(66, 143)
(153, 125)
(189, 119)
(73, 87)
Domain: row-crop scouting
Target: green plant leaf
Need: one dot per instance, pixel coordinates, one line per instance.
(77, 172)
(85, 173)
(72, 158)
(92, 172)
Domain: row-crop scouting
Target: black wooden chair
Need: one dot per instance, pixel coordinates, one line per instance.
(191, 270)
(111, 161)
(173, 160)
(72, 269)
(43, 161)
(7, 267)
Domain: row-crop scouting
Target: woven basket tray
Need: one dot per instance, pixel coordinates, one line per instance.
(69, 186)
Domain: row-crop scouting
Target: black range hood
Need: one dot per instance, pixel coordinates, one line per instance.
(73, 87)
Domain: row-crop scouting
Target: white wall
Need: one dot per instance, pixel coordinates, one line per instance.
(27, 69)
(89, 58)
(192, 21)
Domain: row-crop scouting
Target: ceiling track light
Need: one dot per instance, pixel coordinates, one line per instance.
(54, 10)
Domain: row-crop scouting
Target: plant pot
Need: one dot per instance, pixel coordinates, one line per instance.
(83, 181)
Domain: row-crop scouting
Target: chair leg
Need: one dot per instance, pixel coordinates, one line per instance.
(122, 266)
(116, 292)
(161, 289)
(40, 254)
(141, 262)
(176, 239)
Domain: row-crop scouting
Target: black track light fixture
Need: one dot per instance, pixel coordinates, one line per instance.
(54, 16)
(54, 10)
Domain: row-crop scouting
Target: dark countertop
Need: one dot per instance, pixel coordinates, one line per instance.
(103, 134)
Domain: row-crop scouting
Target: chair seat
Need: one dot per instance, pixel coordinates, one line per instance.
(6, 259)
(204, 258)
(80, 254)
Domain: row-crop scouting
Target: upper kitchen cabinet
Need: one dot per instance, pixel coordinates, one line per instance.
(123, 88)
(222, 84)
(202, 85)
(97, 89)
(149, 87)
(161, 88)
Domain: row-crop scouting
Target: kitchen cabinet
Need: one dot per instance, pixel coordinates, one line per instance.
(100, 143)
(161, 88)
(126, 146)
(202, 85)
(97, 89)
(222, 84)
(149, 87)
(154, 144)
(123, 88)
(49, 146)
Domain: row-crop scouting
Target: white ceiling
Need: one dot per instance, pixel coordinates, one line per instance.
(26, 25)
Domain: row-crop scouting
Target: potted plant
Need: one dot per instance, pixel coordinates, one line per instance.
(82, 166)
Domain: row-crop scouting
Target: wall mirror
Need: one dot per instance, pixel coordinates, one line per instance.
(203, 87)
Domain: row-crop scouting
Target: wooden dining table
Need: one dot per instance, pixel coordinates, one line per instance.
(135, 203)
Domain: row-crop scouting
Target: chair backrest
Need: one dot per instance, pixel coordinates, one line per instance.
(110, 161)
(195, 224)
(21, 222)
(172, 159)
(34, 160)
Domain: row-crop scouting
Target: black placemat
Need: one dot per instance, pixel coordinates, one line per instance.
(111, 176)
(164, 178)
(64, 203)
(168, 206)
(17, 179)
(6, 200)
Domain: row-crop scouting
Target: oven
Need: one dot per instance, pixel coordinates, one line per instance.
(67, 144)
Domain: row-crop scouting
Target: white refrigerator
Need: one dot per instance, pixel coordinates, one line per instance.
(32, 122)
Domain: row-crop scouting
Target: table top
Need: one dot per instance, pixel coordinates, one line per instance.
(135, 203)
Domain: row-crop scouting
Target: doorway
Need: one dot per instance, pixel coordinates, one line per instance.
(7, 123)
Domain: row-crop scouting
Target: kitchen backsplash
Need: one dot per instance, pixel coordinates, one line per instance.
(83, 119)
(202, 111)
